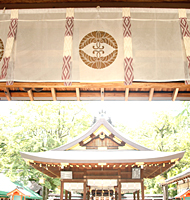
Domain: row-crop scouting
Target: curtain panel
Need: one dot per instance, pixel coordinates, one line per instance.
(95, 45)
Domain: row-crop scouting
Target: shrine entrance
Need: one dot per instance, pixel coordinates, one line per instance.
(102, 164)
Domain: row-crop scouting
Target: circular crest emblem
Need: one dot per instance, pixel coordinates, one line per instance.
(1, 49)
(98, 40)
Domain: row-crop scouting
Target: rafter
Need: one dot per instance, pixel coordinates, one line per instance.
(53, 94)
(30, 94)
(7, 94)
(102, 94)
(78, 94)
(126, 94)
(151, 93)
(175, 93)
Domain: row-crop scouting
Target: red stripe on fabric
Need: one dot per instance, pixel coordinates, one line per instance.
(184, 27)
(126, 26)
(128, 71)
(12, 28)
(66, 69)
(4, 68)
(69, 26)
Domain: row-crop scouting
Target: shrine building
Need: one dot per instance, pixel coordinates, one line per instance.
(102, 164)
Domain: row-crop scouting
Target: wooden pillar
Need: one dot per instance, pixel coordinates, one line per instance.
(119, 190)
(142, 184)
(138, 195)
(84, 191)
(88, 195)
(142, 189)
(61, 190)
(115, 195)
(134, 195)
(66, 194)
(165, 192)
(69, 195)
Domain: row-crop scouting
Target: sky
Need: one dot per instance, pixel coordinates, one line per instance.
(131, 113)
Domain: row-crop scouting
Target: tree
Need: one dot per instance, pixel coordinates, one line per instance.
(36, 127)
(167, 133)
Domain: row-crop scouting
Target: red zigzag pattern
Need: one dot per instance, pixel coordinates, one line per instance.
(66, 70)
(69, 26)
(128, 71)
(184, 27)
(126, 27)
(13, 28)
(4, 67)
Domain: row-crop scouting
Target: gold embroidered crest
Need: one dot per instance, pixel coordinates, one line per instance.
(98, 38)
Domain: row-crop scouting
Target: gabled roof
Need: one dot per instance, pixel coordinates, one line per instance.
(183, 193)
(102, 145)
(178, 177)
(20, 192)
(7, 186)
(107, 127)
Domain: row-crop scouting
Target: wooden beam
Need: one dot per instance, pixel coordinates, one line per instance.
(126, 94)
(20, 4)
(30, 94)
(154, 171)
(175, 93)
(80, 1)
(7, 94)
(130, 180)
(102, 177)
(155, 85)
(78, 94)
(151, 93)
(52, 172)
(53, 94)
(73, 180)
(102, 94)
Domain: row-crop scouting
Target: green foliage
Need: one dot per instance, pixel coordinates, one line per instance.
(42, 126)
(168, 133)
(36, 127)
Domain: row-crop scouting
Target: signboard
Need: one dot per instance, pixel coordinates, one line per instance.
(66, 175)
(136, 173)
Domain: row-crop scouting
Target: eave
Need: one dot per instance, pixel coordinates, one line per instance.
(96, 156)
(181, 176)
(52, 167)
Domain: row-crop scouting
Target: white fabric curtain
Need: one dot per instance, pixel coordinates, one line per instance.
(157, 45)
